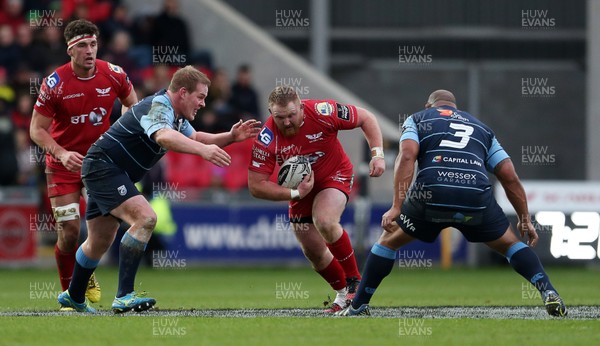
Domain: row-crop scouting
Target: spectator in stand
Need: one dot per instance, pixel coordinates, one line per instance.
(9, 51)
(118, 53)
(244, 99)
(25, 47)
(170, 29)
(52, 48)
(8, 158)
(12, 14)
(118, 21)
(96, 11)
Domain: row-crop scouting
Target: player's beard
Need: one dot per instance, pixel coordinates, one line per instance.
(291, 131)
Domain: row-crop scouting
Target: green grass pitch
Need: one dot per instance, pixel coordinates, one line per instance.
(183, 293)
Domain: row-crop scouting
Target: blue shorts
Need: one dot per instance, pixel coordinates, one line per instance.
(425, 222)
(107, 185)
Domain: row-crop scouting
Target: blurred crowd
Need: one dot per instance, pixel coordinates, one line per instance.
(149, 47)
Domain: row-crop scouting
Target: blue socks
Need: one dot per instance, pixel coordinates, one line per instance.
(131, 252)
(379, 265)
(84, 268)
(527, 263)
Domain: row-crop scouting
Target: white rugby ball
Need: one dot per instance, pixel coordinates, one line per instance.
(292, 171)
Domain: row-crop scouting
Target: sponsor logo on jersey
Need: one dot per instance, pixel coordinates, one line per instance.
(72, 96)
(265, 136)
(257, 164)
(103, 92)
(449, 159)
(452, 114)
(315, 137)
(115, 68)
(457, 178)
(52, 80)
(260, 154)
(94, 117)
(343, 112)
(324, 108)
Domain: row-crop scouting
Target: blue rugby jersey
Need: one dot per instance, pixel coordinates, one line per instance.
(455, 149)
(128, 142)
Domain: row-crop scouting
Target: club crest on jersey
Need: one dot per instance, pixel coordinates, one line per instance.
(265, 136)
(122, 190)
(115, 68)
(315, 137)
(324, 108)
(103, 92)
(52, 80)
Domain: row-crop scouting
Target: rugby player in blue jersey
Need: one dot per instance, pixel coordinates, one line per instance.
(452, 189)
(119, 159)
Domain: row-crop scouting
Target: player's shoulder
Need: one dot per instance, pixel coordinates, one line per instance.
(266, 135)
(109, 68)
(58, 76)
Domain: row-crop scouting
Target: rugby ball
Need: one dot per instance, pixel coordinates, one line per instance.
(292, 171)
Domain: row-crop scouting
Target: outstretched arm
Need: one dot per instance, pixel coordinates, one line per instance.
(239, 131)
(368, 124)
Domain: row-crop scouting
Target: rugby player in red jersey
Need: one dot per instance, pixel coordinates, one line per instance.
(71, 112)
(309, 128)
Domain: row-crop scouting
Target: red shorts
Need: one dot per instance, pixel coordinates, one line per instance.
(62, 181)
(301, 211)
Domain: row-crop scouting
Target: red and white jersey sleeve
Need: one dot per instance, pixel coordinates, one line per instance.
(80, 107)
(317, 140)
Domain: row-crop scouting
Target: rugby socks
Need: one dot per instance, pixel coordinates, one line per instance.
(65, 261)
(84, 268)
(344, 253)
(380, 263)
(334, 275)
(131, 252)
(527, 263)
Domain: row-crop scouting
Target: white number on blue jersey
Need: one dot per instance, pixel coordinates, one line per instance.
(463, 132)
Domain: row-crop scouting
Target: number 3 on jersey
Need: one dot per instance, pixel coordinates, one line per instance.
(463, 132)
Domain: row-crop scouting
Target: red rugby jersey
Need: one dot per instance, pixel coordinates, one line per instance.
(316, 139)
(80, 107)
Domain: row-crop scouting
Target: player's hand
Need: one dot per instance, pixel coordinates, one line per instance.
(72, 160)
(217, 156)
(306, 184)
(376, 167)
(390, 216)
(243, 130)
(527, 227)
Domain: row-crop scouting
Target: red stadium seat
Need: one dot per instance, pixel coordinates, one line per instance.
(187, 170)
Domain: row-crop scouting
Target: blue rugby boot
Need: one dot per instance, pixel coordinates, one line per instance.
(65, 301)
(135, 301)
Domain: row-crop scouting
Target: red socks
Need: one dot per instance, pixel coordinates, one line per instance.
(334, 275)
(344, 253)
(65, 262)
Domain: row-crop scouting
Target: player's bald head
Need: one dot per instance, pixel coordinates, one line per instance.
(441, 97)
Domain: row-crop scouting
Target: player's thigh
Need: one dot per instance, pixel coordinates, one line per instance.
(135, 210)
(395, 238)
(502, 244)
(328, 206)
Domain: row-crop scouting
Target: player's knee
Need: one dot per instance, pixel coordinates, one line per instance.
(147, 221)
(68, 234)
(325, 223)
